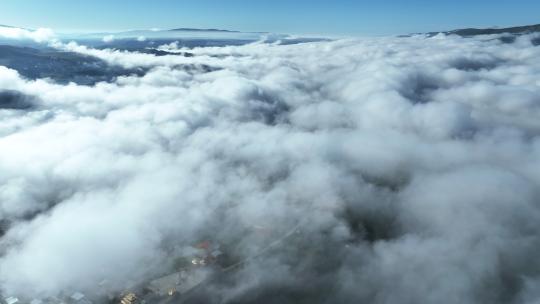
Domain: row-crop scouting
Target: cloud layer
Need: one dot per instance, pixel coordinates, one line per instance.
(40, 35)
(410, 168)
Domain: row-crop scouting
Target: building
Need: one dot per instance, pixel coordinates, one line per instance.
(129, 298)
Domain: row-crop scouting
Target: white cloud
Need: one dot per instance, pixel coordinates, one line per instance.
(40, 35)
(412, 163)
(108, 38)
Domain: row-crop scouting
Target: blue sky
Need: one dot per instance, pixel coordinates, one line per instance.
(336, 17)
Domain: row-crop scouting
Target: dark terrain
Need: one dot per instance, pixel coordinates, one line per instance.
(62, 67)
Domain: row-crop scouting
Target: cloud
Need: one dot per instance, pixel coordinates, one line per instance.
(389, 170)
(40, 35)
(108, 38)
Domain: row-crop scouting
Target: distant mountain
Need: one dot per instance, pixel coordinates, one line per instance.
(186, 37)
(202, 30)
(468, 32)
(15, 27)
(489, 31)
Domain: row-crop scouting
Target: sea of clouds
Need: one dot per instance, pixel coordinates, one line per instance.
(411, 166)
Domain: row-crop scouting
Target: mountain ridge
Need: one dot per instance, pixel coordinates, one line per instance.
(467, 32)
(187, 29)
